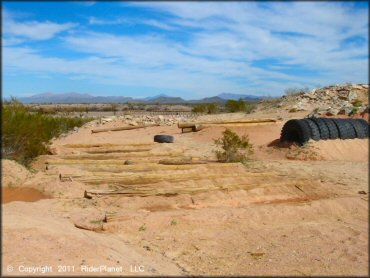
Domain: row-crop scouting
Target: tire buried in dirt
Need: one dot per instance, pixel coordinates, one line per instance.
(346, 130)
(315, 132)
(333, 130)
(360, 130)
(365, 126)
(163, 139)
(297, 131)
(301, 131)
(324, 130)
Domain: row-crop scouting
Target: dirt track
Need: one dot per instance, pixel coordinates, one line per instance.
(290, 211)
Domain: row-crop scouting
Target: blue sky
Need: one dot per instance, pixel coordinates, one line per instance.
(187, 49)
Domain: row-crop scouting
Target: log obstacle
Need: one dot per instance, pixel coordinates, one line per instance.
(121, 128)
(139, 179)
(106, 145)
(152, 167)
(150, 190)
(200, 125)
(122, 160)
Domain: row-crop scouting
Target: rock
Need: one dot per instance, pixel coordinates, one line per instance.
(345, 111)
(311, 96)
(343, 94)
(133, 123)
(332, 112)
(300, 106)
(351, 96)
(364, 109)
(106, 120)
(160, 117)
(75, 128)
(322, 110)
(357, 86)
(128, 117)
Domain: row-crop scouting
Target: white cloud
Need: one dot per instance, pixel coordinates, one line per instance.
(130, 21)
(97, 21)
(34, 30)
(222, 53)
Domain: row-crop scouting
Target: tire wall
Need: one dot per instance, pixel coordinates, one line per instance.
(302, 130)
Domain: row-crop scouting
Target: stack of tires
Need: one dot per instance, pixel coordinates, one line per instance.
(300, 131)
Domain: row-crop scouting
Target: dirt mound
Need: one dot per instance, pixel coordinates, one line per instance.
(35, 235)
(345, 99)
(342, 150)
(13, 174)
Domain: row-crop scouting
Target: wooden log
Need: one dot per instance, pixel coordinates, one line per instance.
(121, 128)
(106, 145)
(194, 127)
(185, 125)
(237, 124)
(186, 129)
(147, 167)
(97, 151)
(205, 124)
(145, 191)
(115, 161)
(246, 121)
(155, 178)
(120, 156)
(181, 161)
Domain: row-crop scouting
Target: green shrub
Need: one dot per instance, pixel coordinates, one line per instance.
(206, 108)
(239, 106)
(357, 103)
(26, 134)
(354, 111)
(234, 148)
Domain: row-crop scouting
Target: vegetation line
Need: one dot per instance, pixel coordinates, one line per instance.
(26, 135)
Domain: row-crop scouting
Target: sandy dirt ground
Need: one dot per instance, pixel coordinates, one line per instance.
(288, 211)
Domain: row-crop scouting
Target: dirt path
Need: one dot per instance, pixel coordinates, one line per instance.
(289, 211)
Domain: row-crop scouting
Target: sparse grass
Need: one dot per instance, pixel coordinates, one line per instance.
(296, 91)
(96, 222)
(173, 222)
(271, 102)
(25, 135)
(142, 228)
(234, 148)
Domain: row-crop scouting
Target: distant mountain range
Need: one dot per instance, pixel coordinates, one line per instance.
(162, 99)
(236, 96)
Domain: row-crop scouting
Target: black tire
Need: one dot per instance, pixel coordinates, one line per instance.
(315, 132)
(359, 128)
(324, 130)
(333, 130)
(346, 130)
(163, 138)
(296, 131)
(365, 126)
